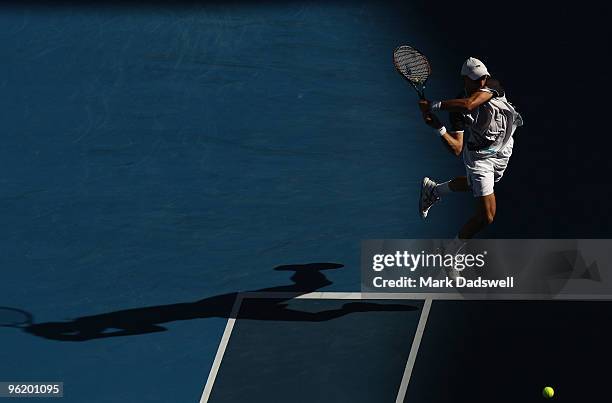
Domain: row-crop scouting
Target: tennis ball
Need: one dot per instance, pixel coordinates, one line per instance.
(548, 392)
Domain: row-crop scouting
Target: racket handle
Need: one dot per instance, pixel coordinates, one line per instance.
(421, 92)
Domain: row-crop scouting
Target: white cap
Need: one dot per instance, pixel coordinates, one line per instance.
(474, 69)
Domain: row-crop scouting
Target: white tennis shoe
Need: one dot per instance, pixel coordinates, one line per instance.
(428, 196)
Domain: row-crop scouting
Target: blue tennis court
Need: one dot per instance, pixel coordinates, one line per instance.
(160, 160)
(155, 156)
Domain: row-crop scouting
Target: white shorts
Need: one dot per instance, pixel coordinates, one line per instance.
(484, 172)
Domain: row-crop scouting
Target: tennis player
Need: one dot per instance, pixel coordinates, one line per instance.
(482, 123)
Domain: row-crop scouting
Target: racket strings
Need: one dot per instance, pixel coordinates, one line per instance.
(412, 64)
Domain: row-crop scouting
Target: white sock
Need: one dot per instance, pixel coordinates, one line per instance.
(443, 188)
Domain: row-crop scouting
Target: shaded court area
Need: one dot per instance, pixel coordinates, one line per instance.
(347, 350)
(508, 351)
(412, 350)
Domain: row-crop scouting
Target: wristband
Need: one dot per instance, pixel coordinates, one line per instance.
(441, 131)
(436, 105)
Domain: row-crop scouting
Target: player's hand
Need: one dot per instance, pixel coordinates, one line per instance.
(431, 120)
(424, 105)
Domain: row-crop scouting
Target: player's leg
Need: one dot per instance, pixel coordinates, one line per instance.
(479, 184)
(486, 207)
(459, 184)
(483, 175)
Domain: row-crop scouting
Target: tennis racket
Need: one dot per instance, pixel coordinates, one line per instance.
(413, 66)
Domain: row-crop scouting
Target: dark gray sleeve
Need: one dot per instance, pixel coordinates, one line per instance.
(456, 119)
(494, 87)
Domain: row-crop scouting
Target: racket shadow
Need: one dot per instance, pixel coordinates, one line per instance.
(14, 317)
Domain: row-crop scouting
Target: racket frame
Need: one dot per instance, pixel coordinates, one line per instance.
(419, 87)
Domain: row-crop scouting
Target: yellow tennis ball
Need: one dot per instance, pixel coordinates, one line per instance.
(548, 392)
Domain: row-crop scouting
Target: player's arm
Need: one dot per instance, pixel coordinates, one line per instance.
(452, 140)
(463, 104)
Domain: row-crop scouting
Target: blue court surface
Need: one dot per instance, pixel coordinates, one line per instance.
(158, 161)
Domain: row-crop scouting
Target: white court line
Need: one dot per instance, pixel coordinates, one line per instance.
(416, 342)
(423, 296)
(221, 350)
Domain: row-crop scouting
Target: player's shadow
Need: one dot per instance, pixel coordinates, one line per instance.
(307, 278)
